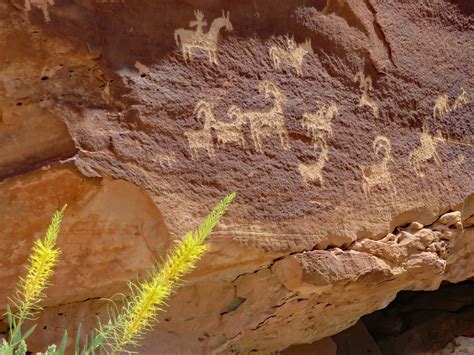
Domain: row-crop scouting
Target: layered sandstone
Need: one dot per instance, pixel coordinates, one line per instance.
(345, 127)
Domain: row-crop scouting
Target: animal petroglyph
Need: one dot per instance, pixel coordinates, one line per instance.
(313, 171)
(321, 119)
(230, 132)
(461, 100)
(365, 84)
(442, 106)
(42, 5)
(226, 132)
(264, 124)
(292, 55)
(426, 151)
(378, 174)
(202, 139)
(207, 42)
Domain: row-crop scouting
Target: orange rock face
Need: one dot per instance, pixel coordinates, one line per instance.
(345, 127)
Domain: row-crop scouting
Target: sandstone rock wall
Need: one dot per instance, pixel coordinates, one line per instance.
(345, 126)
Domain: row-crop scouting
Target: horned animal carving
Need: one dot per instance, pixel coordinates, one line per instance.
(426, 151)
(202, 139)
(442, 107)
(264, 124)
(313, 171)
(378, 174)
(191, 40)
(365, 84)
(292, 55)
(321, 119)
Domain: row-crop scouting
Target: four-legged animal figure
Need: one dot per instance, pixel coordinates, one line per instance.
(207, 42)
(292, 55)
(378, 174)
(202, 139)
(426, 151)
(313, 171)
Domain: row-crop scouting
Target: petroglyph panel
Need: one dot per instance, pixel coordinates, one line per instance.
(292, 55)
(192, 40)
(365, 84)
(426, 151)
(379, 174)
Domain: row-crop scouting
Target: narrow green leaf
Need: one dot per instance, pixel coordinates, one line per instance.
(28, 332)
(62, 347)
(98, 340)
(78, 337)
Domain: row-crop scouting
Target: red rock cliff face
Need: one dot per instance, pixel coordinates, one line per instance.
(345, 126)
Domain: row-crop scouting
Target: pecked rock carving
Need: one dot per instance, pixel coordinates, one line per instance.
(321, 119)
(264, 124)
(292, 55)
(365, 84)
(166, 160)
(202, 139)
(442, 107)
(379, 174)
(191, 40)
(230, 132)
(313, 171)
(43, 5)
(426, 151)
(461, 100)
(105, 134)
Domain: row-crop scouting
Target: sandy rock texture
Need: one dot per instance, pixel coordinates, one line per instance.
(345, 126)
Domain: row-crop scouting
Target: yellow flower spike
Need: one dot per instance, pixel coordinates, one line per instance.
(148, 297)
(43, 257)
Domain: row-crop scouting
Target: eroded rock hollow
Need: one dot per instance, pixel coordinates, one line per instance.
(345, 126)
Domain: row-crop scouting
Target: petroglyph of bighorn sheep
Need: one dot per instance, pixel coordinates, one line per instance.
(365, 83)
(313, 171)
(292, 55)
(426, 151)
(264, 124)
(202, 139)
(207, 42)
(321, 119)
(42, 5)
(442, 106)
(378, 174)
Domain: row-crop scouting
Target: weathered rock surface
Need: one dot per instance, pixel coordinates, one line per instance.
(351, 149)
(460, 345)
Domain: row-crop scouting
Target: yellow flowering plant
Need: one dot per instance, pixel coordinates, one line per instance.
(124, 329)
